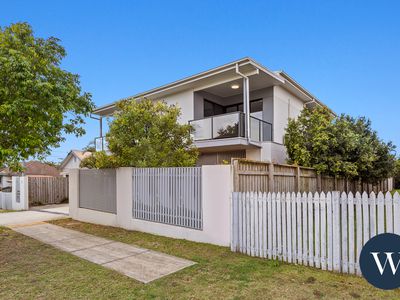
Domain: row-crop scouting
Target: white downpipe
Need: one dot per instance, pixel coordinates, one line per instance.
(246, 102)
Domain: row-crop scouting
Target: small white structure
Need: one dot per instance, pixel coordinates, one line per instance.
(17, 199)
(73, 161)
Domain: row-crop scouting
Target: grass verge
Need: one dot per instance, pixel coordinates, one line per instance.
(32, 270)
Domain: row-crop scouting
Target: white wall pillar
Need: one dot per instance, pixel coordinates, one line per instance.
(73, 192)
(124, 197)
(217, 192)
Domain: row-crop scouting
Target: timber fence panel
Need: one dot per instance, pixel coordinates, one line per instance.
(47, 190)
(258, 176)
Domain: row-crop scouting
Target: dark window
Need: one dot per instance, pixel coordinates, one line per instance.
(230, 109)
(212, 109)
(256, 105)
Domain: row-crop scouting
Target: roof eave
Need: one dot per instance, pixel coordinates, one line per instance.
(198, 76)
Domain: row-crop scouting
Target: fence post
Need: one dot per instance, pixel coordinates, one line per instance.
(271, 183)
(24, 192)
(236, 180)
(319, 183)
(297, 179)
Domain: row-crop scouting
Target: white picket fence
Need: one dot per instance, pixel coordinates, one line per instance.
(325, 231)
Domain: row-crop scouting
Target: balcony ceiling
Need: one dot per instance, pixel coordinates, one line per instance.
(257, 82)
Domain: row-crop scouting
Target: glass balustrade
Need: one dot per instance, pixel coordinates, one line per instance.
(229, 126)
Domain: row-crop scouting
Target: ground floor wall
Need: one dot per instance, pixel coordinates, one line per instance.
(269, 151)
(216, 192)
(219, 158)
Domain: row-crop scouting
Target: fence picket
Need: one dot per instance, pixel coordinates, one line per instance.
(352, 245)
(284, 228)
(310, 229)
(294, 226)
(365, 209)
(265, 224)
(324, 261)
(252, 225)
(289, 226)
(305, 228)
(278, 225)
(336, 231)
(396, 213)
(359, 230)
(269, 203)
(317, 259)
(299, 230)
(274, 231)
(344, 221)
(329, 215)
(389, 214)
(372, 214)
(381, 213)
(260, 225)
(248, 224)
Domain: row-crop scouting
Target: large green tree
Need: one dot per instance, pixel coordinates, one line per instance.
(338, 145)
(39, 101)
(146, 134)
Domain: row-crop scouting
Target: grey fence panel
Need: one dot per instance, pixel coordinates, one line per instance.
(97, 190)
(168, 195)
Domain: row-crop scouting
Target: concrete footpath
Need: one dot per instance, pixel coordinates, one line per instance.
(138, 263)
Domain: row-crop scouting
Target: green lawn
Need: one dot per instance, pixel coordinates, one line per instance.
(6, 210)
(32, 270)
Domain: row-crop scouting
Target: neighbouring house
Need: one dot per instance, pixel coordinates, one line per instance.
(240, 109)
(73, 161)
(31, 168)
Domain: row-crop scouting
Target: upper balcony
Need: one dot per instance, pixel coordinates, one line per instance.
(228, 131)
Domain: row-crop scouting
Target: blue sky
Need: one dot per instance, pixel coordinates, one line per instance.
(347, 53)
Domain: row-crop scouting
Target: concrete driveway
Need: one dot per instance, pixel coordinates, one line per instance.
(35, 214)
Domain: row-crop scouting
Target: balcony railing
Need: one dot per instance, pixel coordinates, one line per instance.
(229, 126)
(101, 144)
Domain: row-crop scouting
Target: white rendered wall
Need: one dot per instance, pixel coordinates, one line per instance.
(286, 106)
(184, 100)
(216, 200)
(273, 152)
